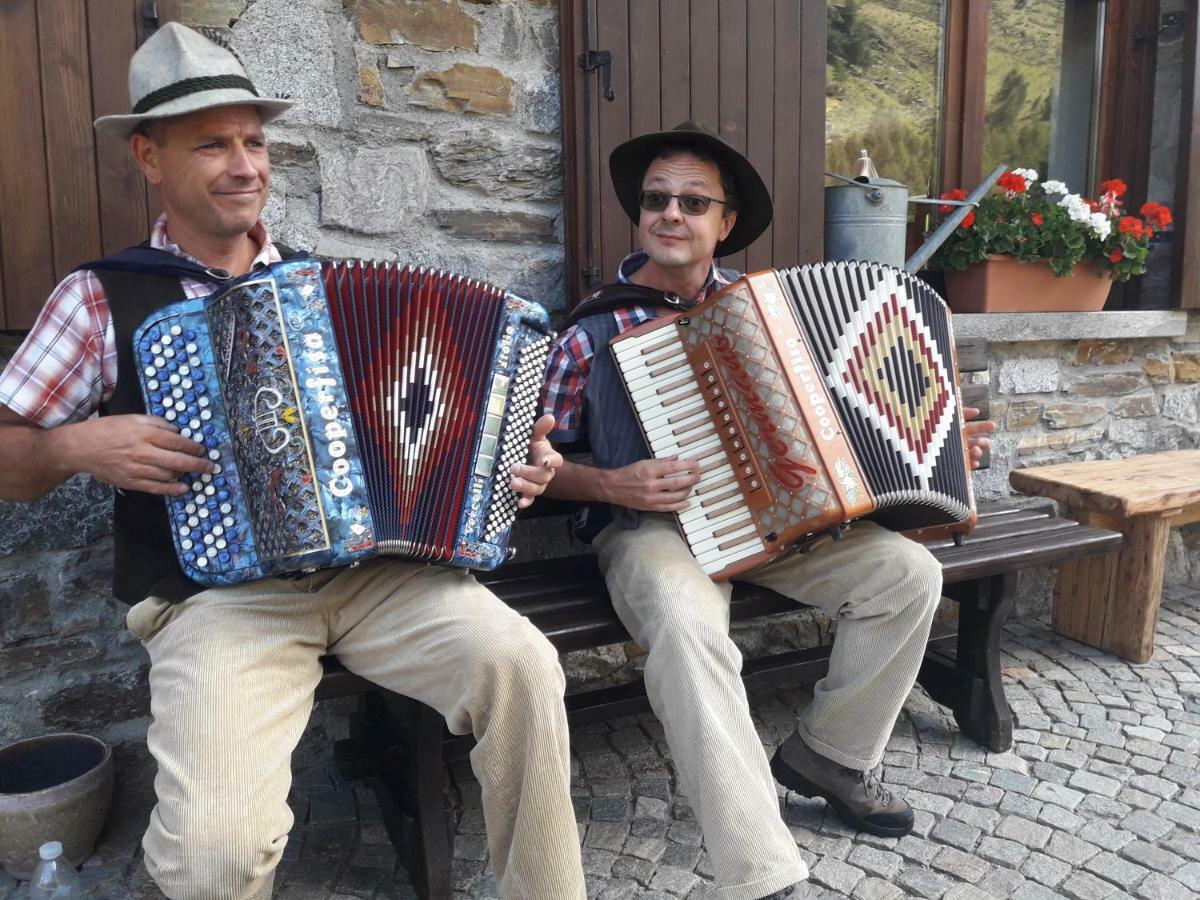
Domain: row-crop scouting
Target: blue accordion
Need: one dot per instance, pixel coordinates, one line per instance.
(349, 409)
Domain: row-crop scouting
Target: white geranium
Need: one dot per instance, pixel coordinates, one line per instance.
(1100, 224)
(1076, 208)
(1054, 187)
(1030, 175)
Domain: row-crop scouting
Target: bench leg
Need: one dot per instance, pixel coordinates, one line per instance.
(1112, 601)
(970, 684)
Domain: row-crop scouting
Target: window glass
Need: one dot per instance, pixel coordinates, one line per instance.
(1042, 59)
(883, 87)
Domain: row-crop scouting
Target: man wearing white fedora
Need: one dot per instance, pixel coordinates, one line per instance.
(233, 670)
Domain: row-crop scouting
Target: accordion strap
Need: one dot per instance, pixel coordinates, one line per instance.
(612, 297)
(146, 260)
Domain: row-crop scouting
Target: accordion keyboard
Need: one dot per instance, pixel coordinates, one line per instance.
(719, 526)
(178, 389)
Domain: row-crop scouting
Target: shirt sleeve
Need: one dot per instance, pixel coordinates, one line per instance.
(57, 374)
(567, 372)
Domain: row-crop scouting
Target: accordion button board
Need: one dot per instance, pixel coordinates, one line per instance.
(349, 409)
(807, 398)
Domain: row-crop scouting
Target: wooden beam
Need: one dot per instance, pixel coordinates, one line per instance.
(1185, 263)
(574, 145)
(965, 105)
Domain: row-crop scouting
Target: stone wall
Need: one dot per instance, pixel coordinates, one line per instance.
(1068, 401)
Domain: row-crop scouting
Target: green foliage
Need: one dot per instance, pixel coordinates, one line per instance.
(849, 37)
(900, 150)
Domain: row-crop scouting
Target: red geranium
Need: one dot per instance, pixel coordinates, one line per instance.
(1114, 186)
(1156, 214)
(956, 194)
(1131, 225)
(1037, 219)
(1012, 182)
(1116, 256)
(969, 220)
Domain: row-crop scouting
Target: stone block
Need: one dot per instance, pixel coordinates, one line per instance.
(1029, 376)
(540, 104)
(1073, 415)
(288, 51)
(1107, 384)
(74, 514)
(1103, 352)
(213, 13)
(373, 190)
(499, 165)
(464, 88)
(428, 24)
(24, 608)
(1136, 406)
(1031, 444)
(51, 655)
(370, 86)
(1183, 405)
(1157, 369)
(1185, 367)
(1022, 414)
(100, 701)
(492, 225)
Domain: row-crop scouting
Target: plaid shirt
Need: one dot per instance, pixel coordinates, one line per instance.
(571, 354)
(67, 365)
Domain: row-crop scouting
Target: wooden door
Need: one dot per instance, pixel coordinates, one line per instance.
(754, 69)
(65, 197)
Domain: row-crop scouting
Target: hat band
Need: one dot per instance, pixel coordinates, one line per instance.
(191, 86)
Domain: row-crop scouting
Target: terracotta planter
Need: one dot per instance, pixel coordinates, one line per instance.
(52, 788)
(1001, 284)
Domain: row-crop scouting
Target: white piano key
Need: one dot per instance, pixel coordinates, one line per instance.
(704, 527)
(713, 544)
(715, 563)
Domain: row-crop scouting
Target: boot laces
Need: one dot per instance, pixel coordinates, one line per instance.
(871, 784)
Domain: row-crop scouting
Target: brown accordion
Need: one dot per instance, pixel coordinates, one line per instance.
(809, 397)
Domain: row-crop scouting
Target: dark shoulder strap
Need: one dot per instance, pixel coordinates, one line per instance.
(146, 260)
(612, 297)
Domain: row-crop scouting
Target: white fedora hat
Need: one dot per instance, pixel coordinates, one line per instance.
(179, 71)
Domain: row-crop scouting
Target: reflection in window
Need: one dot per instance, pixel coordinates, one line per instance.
(883, 89)
(1042, 61)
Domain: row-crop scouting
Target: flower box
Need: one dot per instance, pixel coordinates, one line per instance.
(1003, 284)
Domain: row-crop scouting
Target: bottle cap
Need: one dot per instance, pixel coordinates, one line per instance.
(50, 850)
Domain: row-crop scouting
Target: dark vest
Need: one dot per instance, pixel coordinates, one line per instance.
(144, 561)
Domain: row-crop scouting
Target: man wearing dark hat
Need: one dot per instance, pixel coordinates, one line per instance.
(693, 198)
(233, 670)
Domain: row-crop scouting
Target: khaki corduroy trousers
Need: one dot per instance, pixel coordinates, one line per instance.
(881, 588)
(233, 672)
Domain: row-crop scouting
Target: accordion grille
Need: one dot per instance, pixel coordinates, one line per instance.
(883, 342)
(416, 344)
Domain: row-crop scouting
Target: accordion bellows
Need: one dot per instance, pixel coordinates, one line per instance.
(809, 397)
(351, 409)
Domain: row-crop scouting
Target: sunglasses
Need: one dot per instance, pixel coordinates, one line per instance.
(690, 204)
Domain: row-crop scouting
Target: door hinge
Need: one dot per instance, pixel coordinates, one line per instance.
(147, 20)
(591, 60)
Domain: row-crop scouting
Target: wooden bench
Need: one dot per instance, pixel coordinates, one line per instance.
(1112, 601)
(403, 744)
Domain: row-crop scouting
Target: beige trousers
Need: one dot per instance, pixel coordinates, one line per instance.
(233, 671)
(881, 588)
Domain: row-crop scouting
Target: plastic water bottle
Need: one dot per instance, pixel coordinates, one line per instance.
(54, 878)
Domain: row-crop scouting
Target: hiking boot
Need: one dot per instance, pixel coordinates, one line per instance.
(859, 798)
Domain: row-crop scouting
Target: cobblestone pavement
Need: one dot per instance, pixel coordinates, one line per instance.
(1099, 798)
